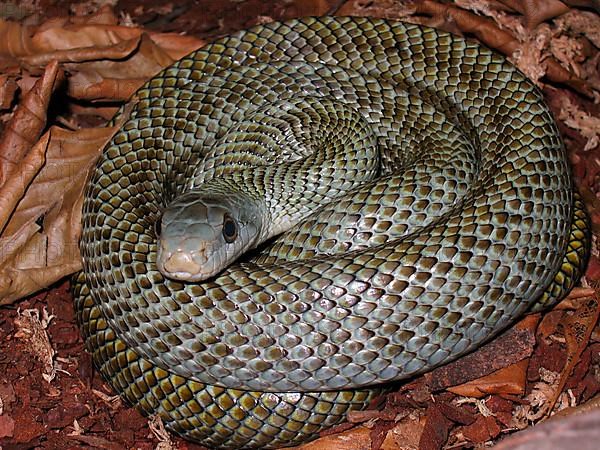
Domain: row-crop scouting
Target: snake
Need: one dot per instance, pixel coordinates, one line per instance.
(467, 221)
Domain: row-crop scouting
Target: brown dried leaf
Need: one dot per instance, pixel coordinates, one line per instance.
(145, 61)
(8, 89)
(484, 29)
(117, 80)
(28, 121)
(576, 432)
(176, 45)
(537, 11)
(509, 380)
(512, 346)
(15, 39)
(35, 257)
(69, 37)
(84, 42)
(578, 328)
(89, 85)
(405, 435)
(117, 51)
(390, 9)
(13, 190)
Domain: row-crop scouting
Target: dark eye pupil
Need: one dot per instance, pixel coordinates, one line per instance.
(229, 229)
(157, 226)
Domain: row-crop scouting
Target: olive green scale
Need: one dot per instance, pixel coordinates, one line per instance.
(472, 223)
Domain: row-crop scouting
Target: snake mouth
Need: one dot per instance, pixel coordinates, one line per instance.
(182, 265)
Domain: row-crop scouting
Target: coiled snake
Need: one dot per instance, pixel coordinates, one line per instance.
(471, 223)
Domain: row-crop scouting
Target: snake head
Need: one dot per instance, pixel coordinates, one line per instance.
(201, 234)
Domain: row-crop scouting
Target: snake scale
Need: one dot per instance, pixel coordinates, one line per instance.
(471, 223)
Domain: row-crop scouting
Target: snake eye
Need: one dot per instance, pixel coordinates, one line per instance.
(158, 226)
(229, 229)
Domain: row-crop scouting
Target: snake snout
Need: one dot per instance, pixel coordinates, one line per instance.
(181, 262)
(184, 265)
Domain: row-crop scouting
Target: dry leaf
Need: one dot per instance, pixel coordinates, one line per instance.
(405, 435)
(537, 11)
(508, 380)
(512, 346)
(578, 328)
(41, 212)
(89, 85)
(576, 432)
(117, 51)
(117, 80)
(8, 89)
(16, 184)
(36, 256)
(142, 60)
(484, 29)
(454, 19)
(384, 8)
(176, 45)
(19, 41)
(28, 121)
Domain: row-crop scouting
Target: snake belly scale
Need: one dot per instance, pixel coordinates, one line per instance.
(472, 223)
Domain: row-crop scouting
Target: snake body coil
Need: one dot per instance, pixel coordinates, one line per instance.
(471, 223)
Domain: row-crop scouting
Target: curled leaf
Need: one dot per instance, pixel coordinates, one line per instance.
(41, 238)
(28, 121)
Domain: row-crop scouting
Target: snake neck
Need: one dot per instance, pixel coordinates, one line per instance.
(330, 149)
